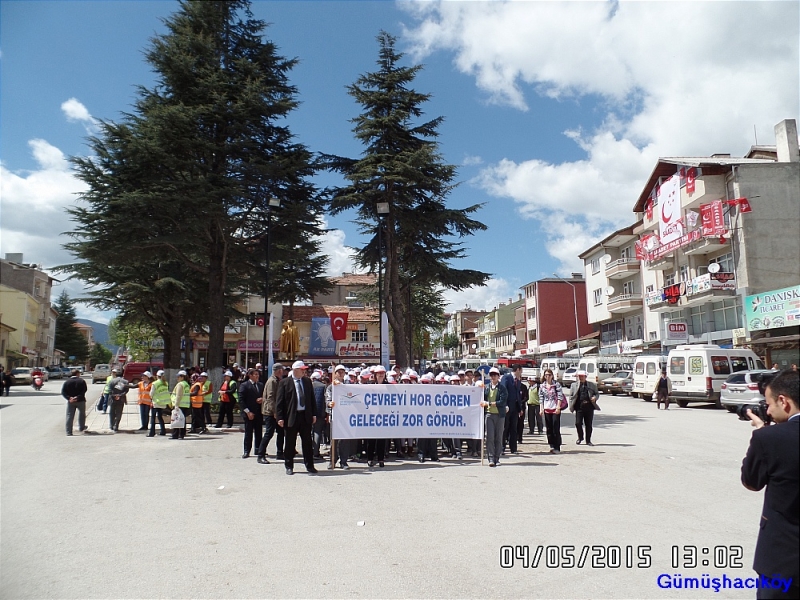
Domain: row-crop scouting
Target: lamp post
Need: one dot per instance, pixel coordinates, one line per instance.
(272, 203)
(383, 209)
(575, 306)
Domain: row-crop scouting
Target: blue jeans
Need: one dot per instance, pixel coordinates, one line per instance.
(157, 413)
(144, 414)
(71, 408)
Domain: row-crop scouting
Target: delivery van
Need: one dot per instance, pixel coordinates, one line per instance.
(557, 365)
(600, 367)
(646, 373)
(697, 371)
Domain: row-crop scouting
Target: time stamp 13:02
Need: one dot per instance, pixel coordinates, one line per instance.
(618, 557)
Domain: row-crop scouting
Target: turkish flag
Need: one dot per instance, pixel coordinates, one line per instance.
(691, 176)
(339, 325)
(742, 203)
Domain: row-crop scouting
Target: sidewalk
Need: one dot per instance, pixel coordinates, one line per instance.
(99, 422)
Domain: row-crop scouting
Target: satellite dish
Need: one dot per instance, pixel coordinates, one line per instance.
(606, 259)
(713, 268)
(609, 291)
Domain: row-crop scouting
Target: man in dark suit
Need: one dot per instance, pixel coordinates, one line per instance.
(250, 402)
(583, 402)
(773, 460)
(513, 384)
(295, 409)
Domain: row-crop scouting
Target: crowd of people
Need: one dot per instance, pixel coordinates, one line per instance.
(271, 408)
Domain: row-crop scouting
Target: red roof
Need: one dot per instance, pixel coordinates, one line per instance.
(364, 279)
(305, 313)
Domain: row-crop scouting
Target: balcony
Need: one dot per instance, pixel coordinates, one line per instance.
(707, 245)
(622, 268)
(664, 263)
(711, 287)
(624, 303)
(657, 301)
(40, 345)
(706, 189)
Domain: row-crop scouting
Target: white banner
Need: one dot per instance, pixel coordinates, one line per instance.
(670, 223)
(406, 411)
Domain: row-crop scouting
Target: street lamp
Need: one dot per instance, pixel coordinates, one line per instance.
(575, 305)
(272, 203)
(383, 209)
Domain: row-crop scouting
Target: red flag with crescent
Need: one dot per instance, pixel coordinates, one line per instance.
(339, 325)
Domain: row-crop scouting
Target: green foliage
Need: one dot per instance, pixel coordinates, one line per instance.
(401, 165)
(100, 355)
(68, 339)
(141, 340)
(450, 341)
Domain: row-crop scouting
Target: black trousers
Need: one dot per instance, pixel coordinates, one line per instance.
(553, 422)
(520, 427)
(534, 418)
(271, 428)
(207, 418)
(584, 416)
(510, 431)
(198, 420)
(225, 410)
(302, 427)
(374, 446)
(181, 433)
(427, 447)
(156, 413)
(252, 427)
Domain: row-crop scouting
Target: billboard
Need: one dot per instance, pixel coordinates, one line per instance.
(778, 308)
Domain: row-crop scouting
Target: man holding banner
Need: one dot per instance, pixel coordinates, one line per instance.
(495, 397)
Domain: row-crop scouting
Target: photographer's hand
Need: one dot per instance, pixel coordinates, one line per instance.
(755, 421)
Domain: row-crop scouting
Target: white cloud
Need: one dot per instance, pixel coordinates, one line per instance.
(75, 111)
(674, 79)
(471, 161)
(340, 257)
(481, 298)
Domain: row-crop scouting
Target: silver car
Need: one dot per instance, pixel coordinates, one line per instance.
(742, 388)
(569, 376)
(619, 383)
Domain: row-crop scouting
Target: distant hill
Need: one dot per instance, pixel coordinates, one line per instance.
(100, 331)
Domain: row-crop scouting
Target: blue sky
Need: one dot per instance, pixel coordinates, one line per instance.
(554, 112)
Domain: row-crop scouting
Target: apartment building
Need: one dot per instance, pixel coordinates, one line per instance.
(551, 306)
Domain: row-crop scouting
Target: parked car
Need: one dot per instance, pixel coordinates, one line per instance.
(21, 376)
(66, 372)
(54, 372)
(620, 382)
(569, 376)
(742, 388)
(133, 370)
(101, 373)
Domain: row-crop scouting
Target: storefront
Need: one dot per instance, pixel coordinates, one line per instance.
(772, 320)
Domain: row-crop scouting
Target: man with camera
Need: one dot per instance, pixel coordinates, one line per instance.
(773, 461)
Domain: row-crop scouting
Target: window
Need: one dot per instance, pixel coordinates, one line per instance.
(640, 368)
(653, 336)
(725, 263)
(677, 365)
(695, 365)
(598, 296)
(727, 314)
(683, 273)
(696, 320)
(626, 252)
(651, 368)
(627, 287)
(590, 368)
(358, 336)
(669, 279)
(720, 365)
(738, 363)
(648, 289)
(595, 266)
(735, 379)
(531, 314)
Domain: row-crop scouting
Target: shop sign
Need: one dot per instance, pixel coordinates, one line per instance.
(778, 308)
(359, 349)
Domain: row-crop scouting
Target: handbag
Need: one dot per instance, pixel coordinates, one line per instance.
(177, 419)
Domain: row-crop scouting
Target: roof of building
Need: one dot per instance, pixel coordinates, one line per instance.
(624, 232)
(669, 165)
(355, 279)
(555, 280)
(306, 313)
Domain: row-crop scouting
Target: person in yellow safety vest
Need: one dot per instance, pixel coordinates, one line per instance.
(102, 404)
(208, 392)
(228, 397)
(197, 398)
(161, 397)
(180, 399)
(145, 399)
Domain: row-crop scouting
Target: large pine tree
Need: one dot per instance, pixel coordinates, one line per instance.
(68, 339)
(401, 165)
(209, 147)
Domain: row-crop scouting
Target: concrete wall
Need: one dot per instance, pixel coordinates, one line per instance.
(769, 258)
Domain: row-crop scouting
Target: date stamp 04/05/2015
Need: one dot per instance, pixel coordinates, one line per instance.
(620, 557)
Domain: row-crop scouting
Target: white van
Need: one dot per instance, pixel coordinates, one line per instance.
(697, 371)
(602, 366)
(557, 365)
(646, 373)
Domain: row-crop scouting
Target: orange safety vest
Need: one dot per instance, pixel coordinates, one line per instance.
(144, 394)
(196, 395)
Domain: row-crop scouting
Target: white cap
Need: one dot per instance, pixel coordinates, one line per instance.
(365, 374)
(413, 374)
(427, 378)
(182, 373)
(455, 378)
(352, 373)
(228, 374)
(115, 370)
(379, 369)
(258, 365)
(462, 372)
(160, 373)
(442, 376)
(235, 365)
(581, 373)
(316, 375)
(405, 377)
(203, 374)
(468, 371)
(147, 374)
(390, 378)
(299, 364)
(494, 370)
(340, 368)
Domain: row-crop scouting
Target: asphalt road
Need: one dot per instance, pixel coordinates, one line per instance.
(109, 515)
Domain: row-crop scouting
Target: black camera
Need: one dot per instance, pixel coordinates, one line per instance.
(759, 410)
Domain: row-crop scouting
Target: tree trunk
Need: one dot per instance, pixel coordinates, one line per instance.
(216, 299)
(394, 299)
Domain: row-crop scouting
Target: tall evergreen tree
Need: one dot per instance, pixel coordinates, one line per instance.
(201, 156)
(401, 165)
(100, 355)
(68, 339)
